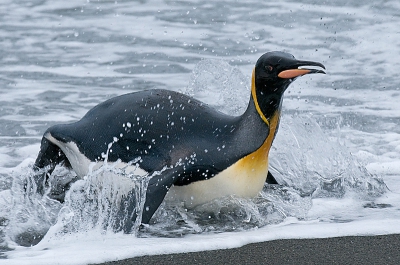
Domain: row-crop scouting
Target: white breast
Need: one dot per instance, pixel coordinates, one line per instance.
(236, 180)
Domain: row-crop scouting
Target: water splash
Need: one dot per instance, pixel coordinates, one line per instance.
(228, 214)
(107, 200)
(305, 158)
(219, 84)
(29, 214)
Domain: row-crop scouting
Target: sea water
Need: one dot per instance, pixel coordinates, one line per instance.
(336, 155)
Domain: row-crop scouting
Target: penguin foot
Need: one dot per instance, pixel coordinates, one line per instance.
(270, 179)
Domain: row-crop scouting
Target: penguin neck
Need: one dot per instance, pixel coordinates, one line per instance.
(267, 105)
(262, 116)
(257, 132)
(263, 124)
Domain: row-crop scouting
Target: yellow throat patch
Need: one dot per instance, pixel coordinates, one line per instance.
(254, 95)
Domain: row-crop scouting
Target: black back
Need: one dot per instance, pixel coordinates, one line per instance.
(164, 128)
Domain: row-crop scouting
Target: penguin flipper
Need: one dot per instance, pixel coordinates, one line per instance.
(157, 188)
(270, 179)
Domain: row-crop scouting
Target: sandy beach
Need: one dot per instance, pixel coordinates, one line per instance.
(382, 249)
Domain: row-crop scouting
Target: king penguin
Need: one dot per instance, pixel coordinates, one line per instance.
(198, 153)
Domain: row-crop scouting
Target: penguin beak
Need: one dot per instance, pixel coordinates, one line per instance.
(296, 71)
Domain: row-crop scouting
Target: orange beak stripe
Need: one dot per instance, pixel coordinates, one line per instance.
(292, 73)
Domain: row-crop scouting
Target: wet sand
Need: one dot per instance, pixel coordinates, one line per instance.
(352, 250)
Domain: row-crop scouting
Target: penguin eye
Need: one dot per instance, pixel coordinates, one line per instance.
(269, 68)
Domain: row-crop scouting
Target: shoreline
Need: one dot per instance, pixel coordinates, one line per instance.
(380, 249)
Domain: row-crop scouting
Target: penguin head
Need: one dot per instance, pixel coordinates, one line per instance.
(274, 71)
(272, 75)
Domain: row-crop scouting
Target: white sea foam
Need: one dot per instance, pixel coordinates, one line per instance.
(93, 247)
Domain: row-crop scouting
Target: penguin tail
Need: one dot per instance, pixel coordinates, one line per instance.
(50, 155)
